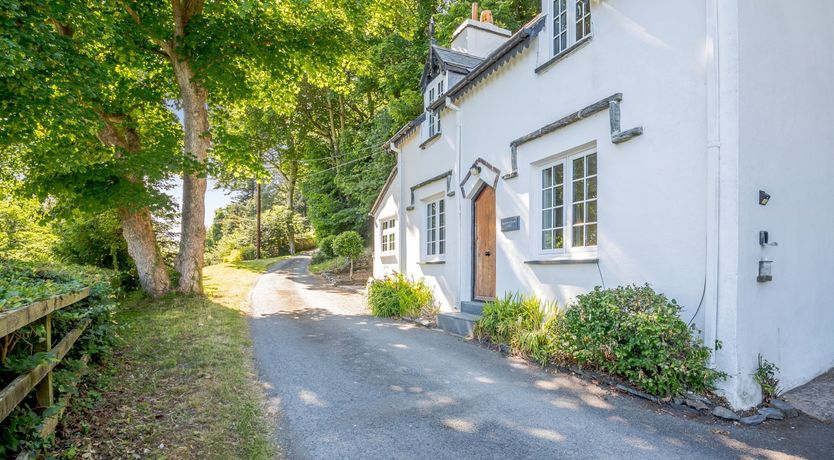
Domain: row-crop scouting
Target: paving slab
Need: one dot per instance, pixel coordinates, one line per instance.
(815, 398)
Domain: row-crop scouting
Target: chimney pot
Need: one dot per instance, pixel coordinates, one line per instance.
(475, 10)
(486, 16)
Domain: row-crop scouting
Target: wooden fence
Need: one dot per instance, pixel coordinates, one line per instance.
(39, 378)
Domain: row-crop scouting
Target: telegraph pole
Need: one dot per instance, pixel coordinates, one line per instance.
(258, 234)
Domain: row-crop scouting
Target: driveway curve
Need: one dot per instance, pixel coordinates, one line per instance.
(344, 384)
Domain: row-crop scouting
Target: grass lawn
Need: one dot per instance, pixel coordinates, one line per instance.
(182, 382)
(328, 265)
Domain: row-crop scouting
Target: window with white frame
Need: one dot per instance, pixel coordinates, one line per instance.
(552, 204)
(388, 232)
(584, 201)
(568, 204)
(436, 228)
(434, 92)
(571, 23)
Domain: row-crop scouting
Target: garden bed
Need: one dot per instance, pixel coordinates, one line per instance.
(629, 338)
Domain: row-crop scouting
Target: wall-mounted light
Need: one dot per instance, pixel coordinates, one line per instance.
(475, 170)
(765, 271)
(764, 197)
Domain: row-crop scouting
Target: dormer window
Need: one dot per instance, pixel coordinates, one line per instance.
(571, 23)
(433, 93)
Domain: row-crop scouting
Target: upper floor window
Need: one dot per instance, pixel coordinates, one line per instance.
(568, 204)
(433, 93)
(436, 228)
(571, 23)
(388, 234)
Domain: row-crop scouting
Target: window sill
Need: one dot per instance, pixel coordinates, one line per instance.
(429, 141)
(563, 261)
(565, 53)
(432, 262)
(388, 254)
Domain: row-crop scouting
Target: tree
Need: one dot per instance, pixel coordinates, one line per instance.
(268, 142)
(349, 245)
(86, 89)
(219, 52)
(22, 234)
(83, 123)
(346, 123)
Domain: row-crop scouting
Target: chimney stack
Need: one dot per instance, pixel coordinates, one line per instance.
(479, 35)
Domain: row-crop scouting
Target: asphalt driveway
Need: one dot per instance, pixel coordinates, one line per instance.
(346, 385)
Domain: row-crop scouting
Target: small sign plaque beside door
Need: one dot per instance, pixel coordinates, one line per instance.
(509, 224)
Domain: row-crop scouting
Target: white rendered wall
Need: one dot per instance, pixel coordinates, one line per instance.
(651, 188)
(787, 149)
(419, 165)
(478, 38)
(386, 263)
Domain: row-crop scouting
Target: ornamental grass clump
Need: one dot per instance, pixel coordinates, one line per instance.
(396, 296)
(523, 323)
(636, 333)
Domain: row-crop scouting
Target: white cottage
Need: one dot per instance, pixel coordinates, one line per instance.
(611, 142)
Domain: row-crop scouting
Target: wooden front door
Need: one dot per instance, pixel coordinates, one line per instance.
(485, 244)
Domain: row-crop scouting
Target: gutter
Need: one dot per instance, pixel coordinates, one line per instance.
(404, 131)
(529, 30)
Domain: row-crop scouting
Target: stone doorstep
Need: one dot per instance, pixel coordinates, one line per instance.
(457, 323)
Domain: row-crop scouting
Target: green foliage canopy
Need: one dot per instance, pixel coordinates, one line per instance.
(348, 244)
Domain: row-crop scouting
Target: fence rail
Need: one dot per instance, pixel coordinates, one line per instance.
(39, 378)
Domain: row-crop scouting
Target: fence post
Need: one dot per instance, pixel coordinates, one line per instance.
(44, 391)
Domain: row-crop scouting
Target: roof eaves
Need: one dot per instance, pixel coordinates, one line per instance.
(494, 60)
(385, 187)
(407, 129)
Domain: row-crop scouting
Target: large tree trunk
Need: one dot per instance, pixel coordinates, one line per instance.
(137, 225)
(193, 97)
(137, 228)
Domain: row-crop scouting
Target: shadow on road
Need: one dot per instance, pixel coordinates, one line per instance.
(348, 385)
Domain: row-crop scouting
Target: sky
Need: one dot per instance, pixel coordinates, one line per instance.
(215, 198)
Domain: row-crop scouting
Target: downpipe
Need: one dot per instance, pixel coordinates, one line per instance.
(459, 201)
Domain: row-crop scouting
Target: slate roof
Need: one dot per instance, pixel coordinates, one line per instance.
(516, 43)
(475, 69)
(457, 59)
(444, 59)
(405, 130)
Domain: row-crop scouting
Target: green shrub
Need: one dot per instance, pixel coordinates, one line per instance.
(396, 296)
(235, 255)
(523, 323)
(636, 333)
(248, 252)
(348, 244)
(22, 234)
(23, 283)
(326, 247)
(766, 376)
